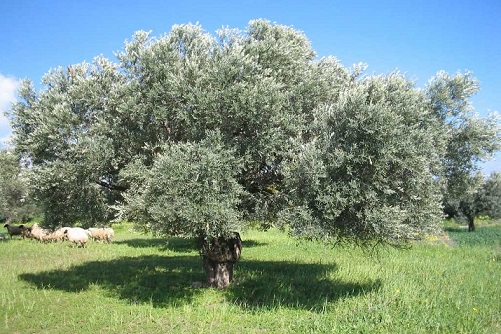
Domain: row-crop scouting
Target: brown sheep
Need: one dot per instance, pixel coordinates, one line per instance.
(14, 230)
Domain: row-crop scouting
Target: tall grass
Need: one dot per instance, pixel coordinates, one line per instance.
(141, 284)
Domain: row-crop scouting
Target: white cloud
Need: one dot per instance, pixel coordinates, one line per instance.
(8, 91)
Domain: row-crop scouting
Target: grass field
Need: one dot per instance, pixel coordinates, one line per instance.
(141, 284)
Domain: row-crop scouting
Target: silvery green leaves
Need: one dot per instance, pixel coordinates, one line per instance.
(190, 190)
(191, 133)
(366, 175)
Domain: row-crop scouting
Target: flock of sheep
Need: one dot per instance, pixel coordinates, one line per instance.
(76, 235)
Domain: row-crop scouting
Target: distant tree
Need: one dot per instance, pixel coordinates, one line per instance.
(489, 196)
(191, 134)
(482, 199)
(467, 206)
(468, 139)
(15, 201)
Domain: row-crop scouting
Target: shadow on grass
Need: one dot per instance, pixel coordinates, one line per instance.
(482, 236)
(178, 245)
(252, 243)
(167, 281)
(268, 284)
(157, 279)
(458, 229)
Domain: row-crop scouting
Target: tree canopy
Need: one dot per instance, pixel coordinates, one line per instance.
(489, 197)
(16, 203)
(192, 134)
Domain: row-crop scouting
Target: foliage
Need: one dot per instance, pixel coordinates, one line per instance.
(60, 132)
(317, 145)
(468, 138)
(16, 203)
(489, 196)
(190, 191)
(366, 173)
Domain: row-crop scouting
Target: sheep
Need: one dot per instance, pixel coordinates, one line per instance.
(110, 233)
(104, 234)
(57, 235)
(76, 235)
(26, 232)
(14, 230)
(38, 233)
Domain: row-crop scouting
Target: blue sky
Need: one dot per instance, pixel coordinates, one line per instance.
(416, 37)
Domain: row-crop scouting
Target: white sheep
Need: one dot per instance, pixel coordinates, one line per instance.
(38, 233)
(57, 235)
(76, 235)
(104, 234)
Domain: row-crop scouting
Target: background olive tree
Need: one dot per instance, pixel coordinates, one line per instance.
(489, 197)
(483, 198)
(468, 139)
(192, 134)
(16, 204)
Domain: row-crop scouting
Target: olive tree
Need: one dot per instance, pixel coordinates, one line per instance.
(191, 134)
(468, 139)
(489, 197)
(482, 199)
(16, 203)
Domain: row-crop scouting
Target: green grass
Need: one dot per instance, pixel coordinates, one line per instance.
(141, 284)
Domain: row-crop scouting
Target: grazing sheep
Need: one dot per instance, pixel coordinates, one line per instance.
(76, 235)
(57, 235)
(14, 230)
(104, 234)
(26, 232)
(38, 233)
(110, 233)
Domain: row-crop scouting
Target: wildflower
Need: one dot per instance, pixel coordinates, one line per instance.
(475, 309)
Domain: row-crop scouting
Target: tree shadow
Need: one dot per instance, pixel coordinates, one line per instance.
(159, 280)
(269, 284)
(178, 245)
(456, 229)
(167, 281)
(252, 243)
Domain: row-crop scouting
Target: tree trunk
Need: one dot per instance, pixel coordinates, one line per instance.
(218, 257)
(471, 223)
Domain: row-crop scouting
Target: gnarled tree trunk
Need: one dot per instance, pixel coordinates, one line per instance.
(218, 257)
